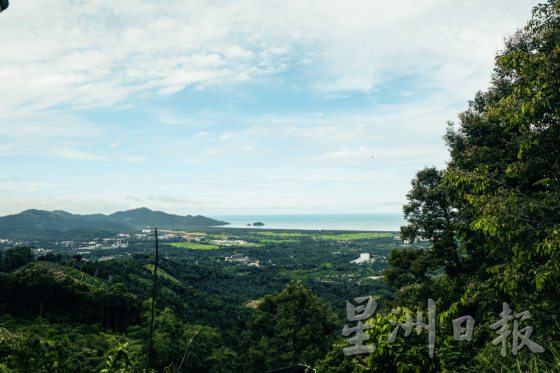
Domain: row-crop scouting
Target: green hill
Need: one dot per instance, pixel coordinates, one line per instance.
(33, 224)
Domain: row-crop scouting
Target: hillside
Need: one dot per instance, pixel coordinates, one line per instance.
(31, 224)
(143, 217)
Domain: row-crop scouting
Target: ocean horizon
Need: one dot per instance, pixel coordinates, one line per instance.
(347, 222)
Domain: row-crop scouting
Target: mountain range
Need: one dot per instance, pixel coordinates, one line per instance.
(31, 224)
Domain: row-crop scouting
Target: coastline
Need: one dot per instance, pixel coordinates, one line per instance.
(385, 222)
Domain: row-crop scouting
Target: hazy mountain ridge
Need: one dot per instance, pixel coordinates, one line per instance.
(37, 223)
(143, 217)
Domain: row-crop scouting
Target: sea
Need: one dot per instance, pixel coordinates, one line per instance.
(345, 222)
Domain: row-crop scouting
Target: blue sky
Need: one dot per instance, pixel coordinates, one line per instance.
(232, 107)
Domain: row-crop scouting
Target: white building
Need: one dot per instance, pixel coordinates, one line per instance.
(237, 258)
(364, 258)
(240, 258)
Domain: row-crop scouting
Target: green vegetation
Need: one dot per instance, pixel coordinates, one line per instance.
(331, 236)
(492, 220)
(92, 316)
(353, 236)
(483, 231)
(39, 224)
(194, 246)
(282, 234)
(288, 328)
(162, 273)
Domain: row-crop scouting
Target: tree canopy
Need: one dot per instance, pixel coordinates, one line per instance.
(492, 216)
(290, 327)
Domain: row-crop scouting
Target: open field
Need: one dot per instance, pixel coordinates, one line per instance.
(193, 246)
(353, 236)
(283, 234)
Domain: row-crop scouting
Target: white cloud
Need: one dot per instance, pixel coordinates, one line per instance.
(49, 133)
(78, 154)
(96, 53)
(201, 134)
(61, 60)
(344, 153)
(227, 135)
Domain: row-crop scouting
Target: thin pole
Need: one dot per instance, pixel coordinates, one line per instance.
(153, 305)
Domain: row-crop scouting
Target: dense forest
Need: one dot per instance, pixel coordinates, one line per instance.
(87, 314)
(479, 260)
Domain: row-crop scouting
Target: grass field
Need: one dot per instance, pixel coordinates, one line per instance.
(282, 234)
(352, 236)
(334, 236)
(194, 246)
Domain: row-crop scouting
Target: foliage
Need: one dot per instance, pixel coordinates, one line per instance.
(492, 216)
(290, 327)
(41, 288)
(118, 360)
(489, 359)
(194, 246)
(84, 309)
(16, 258)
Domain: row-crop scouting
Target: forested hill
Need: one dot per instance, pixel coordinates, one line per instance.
(40, 223)
(144, 217)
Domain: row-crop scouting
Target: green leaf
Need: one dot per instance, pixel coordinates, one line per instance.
(544, 181)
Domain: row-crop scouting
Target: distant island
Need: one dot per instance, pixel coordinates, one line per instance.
(40, 223)
(258, 224)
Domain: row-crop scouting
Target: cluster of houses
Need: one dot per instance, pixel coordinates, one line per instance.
(240, 258)
(229, 242)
